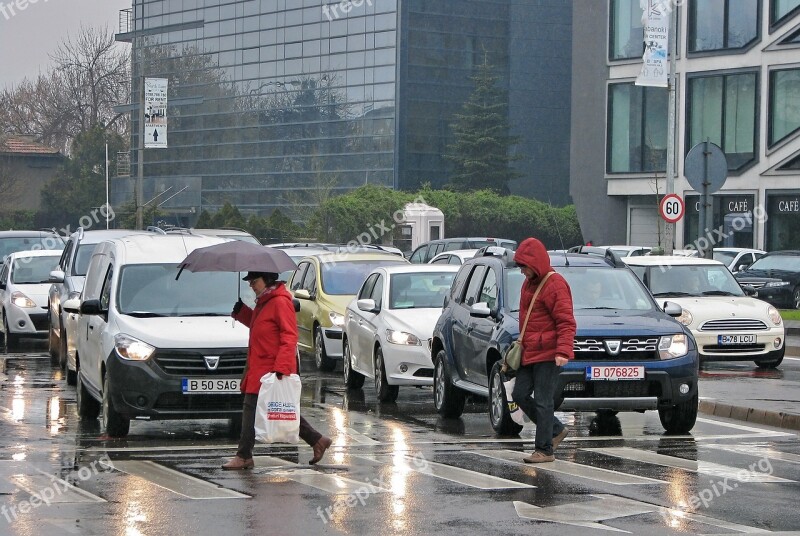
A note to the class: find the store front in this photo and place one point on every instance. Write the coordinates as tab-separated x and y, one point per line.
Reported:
732	221
783	223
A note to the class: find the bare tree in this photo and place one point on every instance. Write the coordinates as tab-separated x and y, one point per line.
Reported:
91	74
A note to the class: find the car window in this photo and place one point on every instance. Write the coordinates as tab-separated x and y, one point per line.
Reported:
32	269
344	278
489	289
693	280
105	294
62	262
458	283
474	285
438	248
789	263
310	279
297	278
419	254
453	245
95	276
366	290
82	258
377	291
725	257
423	290
13	244
604	288
4	273
514	281
441	260
455	259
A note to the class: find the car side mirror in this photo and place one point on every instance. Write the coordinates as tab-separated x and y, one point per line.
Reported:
750	290
296	304
480	310
673	309
302	294
56	276
367	305
91	307
72	305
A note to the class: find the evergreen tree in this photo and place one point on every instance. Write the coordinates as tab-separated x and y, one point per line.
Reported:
481	152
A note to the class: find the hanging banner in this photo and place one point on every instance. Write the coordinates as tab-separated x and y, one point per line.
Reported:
655	20
155	113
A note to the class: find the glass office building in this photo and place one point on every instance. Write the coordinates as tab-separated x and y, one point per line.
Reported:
280	103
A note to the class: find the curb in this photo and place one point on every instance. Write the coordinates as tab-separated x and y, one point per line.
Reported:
778	419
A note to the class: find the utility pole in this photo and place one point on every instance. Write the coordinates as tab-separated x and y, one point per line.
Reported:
672	117
140	157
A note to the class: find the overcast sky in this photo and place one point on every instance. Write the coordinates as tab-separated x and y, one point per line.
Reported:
28	35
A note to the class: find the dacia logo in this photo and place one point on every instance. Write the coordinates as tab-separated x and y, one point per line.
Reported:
613	347
212	362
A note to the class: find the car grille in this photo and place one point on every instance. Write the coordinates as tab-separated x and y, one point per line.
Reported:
739	349
424	373
729	324
632	349
199	402
618	389
41	321
192	362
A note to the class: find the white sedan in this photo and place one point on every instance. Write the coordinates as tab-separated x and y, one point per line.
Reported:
388	327
456	257
727	324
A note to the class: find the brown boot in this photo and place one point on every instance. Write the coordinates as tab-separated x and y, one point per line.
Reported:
539	457
238	463
319	449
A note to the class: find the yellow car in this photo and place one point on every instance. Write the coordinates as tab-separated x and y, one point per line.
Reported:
324	284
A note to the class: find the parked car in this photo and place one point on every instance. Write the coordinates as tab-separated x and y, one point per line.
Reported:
23	293
388	327
429	250
456	257
299	251
629	251
630	355
737	259
727	324
325	284
230	233
67	282
152	347
13	241
776	277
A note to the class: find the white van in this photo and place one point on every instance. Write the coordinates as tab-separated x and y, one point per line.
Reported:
151	346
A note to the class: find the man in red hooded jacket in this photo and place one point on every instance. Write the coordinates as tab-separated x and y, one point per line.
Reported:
546	345
272	348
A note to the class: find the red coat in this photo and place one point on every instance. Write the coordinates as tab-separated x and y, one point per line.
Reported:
551	328
273	337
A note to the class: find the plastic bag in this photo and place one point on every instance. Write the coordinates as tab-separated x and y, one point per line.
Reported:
278	409
517	415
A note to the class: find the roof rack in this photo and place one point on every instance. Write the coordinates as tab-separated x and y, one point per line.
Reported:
612	258
503	253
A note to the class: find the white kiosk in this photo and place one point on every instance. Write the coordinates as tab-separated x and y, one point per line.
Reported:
421	223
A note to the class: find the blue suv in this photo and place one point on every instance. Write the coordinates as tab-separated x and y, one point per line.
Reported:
630	355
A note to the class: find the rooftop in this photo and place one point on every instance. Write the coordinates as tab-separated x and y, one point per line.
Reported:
25	145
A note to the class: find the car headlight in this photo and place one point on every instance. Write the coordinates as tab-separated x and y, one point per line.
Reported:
685	318
21	300
401	337
773	284
672	346
774	315
337	319
132	349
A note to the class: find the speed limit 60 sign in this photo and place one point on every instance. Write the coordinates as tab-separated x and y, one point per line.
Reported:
671	208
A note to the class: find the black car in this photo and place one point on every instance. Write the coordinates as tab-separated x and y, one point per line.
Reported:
630	355
776	278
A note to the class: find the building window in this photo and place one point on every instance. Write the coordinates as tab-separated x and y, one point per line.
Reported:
723	109
783	223
626	35
784	104
782	9
723	24
637	129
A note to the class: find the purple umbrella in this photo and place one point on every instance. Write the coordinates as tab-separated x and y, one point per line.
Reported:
237	256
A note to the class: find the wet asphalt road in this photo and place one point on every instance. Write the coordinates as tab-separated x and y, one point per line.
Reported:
393	469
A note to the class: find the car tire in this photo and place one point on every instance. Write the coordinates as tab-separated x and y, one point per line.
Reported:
499	416
679	419
62	350
448	399
796	297
771	363
386	393
72	377
352	379
88	407
115	424
323	362
12	341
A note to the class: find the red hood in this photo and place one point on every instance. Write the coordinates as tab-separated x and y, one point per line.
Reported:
278	291
533	254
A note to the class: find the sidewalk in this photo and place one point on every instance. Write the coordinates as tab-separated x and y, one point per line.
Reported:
769	397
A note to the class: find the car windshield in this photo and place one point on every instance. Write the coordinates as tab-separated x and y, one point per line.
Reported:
343	278
692	280
419	291
82	258
148	290
12	245
725	257
789	263
33	269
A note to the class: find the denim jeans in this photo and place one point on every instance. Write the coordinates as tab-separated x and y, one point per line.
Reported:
539	379
248	438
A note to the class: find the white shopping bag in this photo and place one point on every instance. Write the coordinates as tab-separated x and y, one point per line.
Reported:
278	409
517	415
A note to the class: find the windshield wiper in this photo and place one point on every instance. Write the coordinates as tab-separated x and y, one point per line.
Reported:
145	314
592	308
204	314
718	293
673	293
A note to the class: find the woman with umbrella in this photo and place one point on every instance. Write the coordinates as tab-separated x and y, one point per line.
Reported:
272	348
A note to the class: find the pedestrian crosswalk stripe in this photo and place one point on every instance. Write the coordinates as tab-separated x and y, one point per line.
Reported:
570	468
759	451
175	481
329	483
55	490
451	473
706	468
